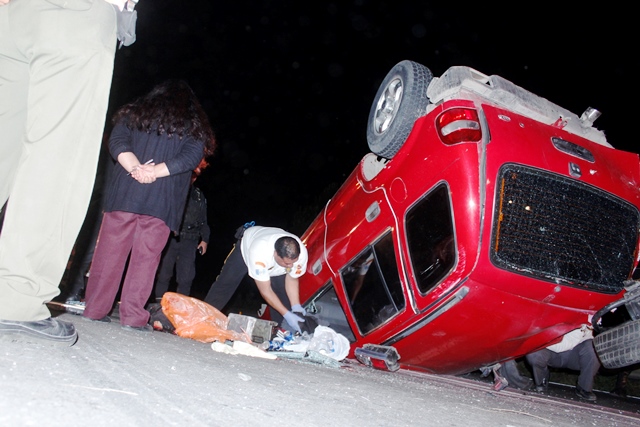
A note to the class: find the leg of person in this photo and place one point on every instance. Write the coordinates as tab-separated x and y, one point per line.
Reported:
227	282
186	266
539	362
277	284
114	244
573	359
69	74
589	364
14	89
85	263
514	378
150	238
620	389
93	220
165	270
80	261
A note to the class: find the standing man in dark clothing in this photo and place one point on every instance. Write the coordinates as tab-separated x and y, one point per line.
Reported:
182	247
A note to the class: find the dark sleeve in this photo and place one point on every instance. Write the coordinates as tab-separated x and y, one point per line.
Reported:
205	231
187	158
120	140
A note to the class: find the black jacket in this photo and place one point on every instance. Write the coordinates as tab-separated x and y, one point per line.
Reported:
194	224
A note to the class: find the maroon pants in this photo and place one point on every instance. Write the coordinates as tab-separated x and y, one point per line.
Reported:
122	233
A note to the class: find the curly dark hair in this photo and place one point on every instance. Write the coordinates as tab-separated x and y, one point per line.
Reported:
172	108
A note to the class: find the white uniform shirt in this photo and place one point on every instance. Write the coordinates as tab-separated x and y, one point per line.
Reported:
572	339
258	249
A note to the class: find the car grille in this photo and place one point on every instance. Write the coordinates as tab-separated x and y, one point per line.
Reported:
561	230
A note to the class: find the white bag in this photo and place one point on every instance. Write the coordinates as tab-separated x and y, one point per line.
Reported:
329	343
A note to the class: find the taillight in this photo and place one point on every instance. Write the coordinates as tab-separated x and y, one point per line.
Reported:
459	125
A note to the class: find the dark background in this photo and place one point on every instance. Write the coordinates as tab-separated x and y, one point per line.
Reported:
288	85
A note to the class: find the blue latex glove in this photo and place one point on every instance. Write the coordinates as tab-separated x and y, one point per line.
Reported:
299	309
293	320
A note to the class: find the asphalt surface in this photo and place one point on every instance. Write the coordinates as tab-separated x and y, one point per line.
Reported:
114	377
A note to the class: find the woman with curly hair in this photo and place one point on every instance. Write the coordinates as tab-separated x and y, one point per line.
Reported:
157	140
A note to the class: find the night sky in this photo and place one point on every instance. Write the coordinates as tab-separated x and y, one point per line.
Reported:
288	85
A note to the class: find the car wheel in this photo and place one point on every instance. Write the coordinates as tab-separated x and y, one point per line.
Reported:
619	346
400	101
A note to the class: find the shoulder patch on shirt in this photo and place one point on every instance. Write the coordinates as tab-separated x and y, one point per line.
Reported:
260	269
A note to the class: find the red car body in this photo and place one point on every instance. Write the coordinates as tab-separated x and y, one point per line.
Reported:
500	223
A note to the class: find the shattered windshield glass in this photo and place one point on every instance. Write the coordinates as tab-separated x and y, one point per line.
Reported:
562	230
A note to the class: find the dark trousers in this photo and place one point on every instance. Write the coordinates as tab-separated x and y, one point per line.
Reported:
122	233
180	253
581	358
230	277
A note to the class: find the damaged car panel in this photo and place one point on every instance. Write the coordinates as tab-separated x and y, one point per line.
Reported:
486	223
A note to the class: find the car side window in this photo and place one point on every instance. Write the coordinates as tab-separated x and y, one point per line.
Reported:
326	309
430	238
373	285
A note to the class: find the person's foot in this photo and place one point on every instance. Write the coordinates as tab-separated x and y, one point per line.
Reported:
586	395
51	329
544	387
145	328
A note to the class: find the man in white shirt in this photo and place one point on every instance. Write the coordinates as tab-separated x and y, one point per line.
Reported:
275	260
56	65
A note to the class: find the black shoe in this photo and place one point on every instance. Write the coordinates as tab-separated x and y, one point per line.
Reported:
50	329
145	328
586	395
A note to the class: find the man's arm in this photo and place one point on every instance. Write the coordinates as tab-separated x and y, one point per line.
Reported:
270	297
3	2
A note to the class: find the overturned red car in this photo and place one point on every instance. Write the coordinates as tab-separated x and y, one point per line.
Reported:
485	223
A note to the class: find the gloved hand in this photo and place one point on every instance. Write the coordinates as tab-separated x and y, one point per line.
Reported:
299	309
293	320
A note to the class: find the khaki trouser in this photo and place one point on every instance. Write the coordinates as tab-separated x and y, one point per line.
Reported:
56	65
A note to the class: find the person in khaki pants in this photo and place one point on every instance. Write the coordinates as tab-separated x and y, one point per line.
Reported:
56	65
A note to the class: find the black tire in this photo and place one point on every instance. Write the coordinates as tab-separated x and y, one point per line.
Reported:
400	101
619	346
